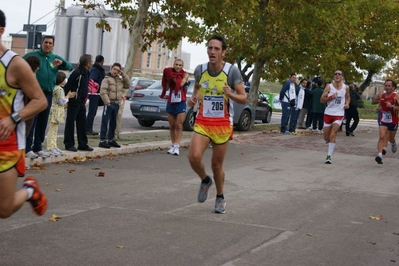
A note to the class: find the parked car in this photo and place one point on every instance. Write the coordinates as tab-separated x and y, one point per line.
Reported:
137	83
147	107
263	108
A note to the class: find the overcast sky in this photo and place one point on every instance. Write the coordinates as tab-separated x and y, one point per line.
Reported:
43	12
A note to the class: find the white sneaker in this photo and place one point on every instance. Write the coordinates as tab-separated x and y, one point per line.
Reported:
394	148
27	166
171	150
176	151
61	152
31	155
44	154
54	152
321	132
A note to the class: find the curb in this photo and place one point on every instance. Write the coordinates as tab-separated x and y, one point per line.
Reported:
100	152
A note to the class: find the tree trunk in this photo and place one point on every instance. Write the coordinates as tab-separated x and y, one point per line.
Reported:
135	37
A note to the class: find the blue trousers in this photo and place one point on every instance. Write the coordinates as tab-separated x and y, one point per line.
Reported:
288	114
109	117
38	131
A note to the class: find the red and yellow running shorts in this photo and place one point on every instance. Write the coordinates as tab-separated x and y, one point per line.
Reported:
10	159
217	134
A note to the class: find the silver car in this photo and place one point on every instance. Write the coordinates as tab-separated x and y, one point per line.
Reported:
137	83
148	107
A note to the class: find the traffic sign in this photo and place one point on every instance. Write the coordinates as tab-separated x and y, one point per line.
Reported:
29	27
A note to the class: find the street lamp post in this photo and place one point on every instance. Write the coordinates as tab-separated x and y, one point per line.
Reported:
27	33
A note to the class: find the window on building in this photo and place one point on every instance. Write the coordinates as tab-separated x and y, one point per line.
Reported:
148	59
159	61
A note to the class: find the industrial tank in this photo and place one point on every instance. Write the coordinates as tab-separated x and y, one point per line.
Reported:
77	38
111	43
73	11
62	33
93	37
124	39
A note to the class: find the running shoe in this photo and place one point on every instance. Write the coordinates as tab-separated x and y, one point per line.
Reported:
203	191
176	151
171	150
38	199
220	205
394	147
44	154
328	159
31	155
378	159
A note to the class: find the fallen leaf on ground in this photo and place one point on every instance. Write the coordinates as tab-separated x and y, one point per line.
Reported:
100	174
57	190
55	218
120	247
309	234
47	184
378	217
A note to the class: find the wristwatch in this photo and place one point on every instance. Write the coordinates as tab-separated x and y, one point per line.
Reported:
16	117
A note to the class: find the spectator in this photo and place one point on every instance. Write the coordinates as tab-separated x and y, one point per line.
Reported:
97	74
318	108
76	112
49	65
308	104
301	99
351	112
57	113
287	99
113	89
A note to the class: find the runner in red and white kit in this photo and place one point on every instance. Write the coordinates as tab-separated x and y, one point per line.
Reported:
388	117
336	95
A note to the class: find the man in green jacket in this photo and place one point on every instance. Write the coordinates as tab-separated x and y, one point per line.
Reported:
49	65
318	108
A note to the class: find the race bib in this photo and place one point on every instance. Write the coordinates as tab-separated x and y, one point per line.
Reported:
338	100
175	98
386	117
213	106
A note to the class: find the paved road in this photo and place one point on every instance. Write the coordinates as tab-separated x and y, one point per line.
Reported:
284	207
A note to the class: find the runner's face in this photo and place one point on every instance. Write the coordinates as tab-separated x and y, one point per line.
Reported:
215	52
388	86
178	66
338	76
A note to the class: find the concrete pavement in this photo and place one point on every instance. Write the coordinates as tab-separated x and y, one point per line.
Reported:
284	207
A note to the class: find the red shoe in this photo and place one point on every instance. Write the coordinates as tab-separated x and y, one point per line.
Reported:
38	199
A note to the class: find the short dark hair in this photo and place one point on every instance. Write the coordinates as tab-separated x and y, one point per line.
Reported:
61	76
49	37
85	59
33	61
219	38
99	58
292	74
2	19
393	82
116	64
320	82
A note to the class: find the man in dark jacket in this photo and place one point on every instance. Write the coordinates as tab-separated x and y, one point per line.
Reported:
351	112
97	74
78	81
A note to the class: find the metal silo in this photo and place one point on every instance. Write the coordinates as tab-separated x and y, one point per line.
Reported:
73	11
111	41
62	33
77	38
124	40
93	37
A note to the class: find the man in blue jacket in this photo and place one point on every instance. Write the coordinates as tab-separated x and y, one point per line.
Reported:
97	74
49	65
287	100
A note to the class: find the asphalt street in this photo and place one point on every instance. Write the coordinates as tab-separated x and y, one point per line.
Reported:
284	207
